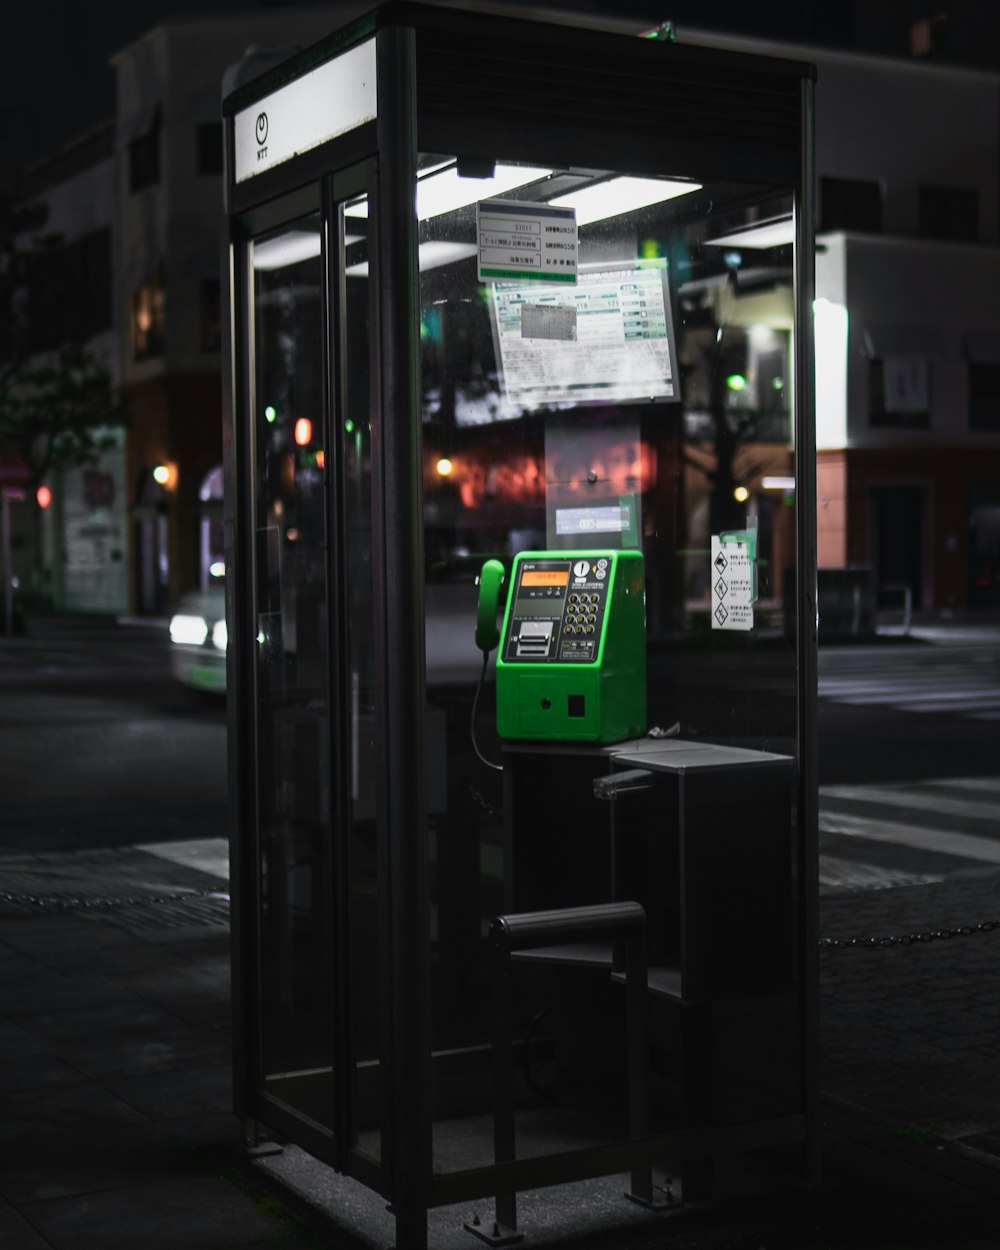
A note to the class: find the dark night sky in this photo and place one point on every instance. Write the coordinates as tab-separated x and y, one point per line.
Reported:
55	80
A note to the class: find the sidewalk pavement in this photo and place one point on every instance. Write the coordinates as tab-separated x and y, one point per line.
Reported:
116	1131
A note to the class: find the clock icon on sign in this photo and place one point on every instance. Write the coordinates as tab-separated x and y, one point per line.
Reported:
261	127
581	568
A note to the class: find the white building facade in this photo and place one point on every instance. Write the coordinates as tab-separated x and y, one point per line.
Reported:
907	324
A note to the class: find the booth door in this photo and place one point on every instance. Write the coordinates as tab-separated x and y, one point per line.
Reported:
310	643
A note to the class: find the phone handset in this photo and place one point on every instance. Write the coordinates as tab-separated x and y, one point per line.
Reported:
491	578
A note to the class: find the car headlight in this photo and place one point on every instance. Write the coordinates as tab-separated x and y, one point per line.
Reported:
188	630
219	635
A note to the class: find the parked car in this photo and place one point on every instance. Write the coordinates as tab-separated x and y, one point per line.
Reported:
198	640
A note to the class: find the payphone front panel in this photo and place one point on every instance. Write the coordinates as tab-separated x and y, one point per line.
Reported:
572	658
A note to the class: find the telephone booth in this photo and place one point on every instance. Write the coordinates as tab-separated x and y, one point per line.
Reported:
520	521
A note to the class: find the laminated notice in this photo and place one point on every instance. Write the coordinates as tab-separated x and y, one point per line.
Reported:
535	241
733	583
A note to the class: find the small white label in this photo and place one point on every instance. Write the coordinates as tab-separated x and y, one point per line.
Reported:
535	241
732	585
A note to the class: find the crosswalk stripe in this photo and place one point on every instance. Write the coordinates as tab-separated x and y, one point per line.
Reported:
846	874
974	707
914	798
905	694
942	841
877	682
920	685
989	785
209	855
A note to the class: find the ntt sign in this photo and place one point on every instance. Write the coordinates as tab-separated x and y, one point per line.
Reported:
330	100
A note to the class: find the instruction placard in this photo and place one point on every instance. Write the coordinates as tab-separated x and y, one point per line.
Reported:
534	241
608	338
732	584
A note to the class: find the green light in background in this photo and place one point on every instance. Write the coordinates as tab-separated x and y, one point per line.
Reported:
649	249
778	383
349	426
270	414
736	382
430	327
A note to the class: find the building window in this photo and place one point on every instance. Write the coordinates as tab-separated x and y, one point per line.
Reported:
148	307
929	35
984	396
144	158
899	392
209	148
211	320
70	290
949	213
850	204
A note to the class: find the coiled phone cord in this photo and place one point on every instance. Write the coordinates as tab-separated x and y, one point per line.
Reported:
475	706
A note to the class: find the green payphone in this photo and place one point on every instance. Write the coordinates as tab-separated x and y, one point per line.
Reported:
571	664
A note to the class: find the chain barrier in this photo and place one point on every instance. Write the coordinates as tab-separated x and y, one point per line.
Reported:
57	903
907	939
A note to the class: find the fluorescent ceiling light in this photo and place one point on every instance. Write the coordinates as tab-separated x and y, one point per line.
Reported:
445	190
287	249
434	255
291	249
767	234
778	483
621	195
431	256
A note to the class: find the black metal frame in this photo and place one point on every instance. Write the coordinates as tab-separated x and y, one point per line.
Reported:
622	923
806	628
424	105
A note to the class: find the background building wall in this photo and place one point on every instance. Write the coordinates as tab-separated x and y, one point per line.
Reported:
84	531
170	248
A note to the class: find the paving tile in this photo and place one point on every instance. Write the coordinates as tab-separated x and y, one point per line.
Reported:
185	1214
127	1016
39	1114
14	1040
115	961
17	1234
70	1163
216	1131
16	967
36	1069
202	949
101	1057
59	993
176	1094
199	995
44	936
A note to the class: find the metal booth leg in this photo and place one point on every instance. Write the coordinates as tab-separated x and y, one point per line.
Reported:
698	1099
625	921
502	1230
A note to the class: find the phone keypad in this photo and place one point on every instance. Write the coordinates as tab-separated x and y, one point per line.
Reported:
581	613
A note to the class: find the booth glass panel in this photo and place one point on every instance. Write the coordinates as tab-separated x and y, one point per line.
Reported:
646	408
355	435
293	727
